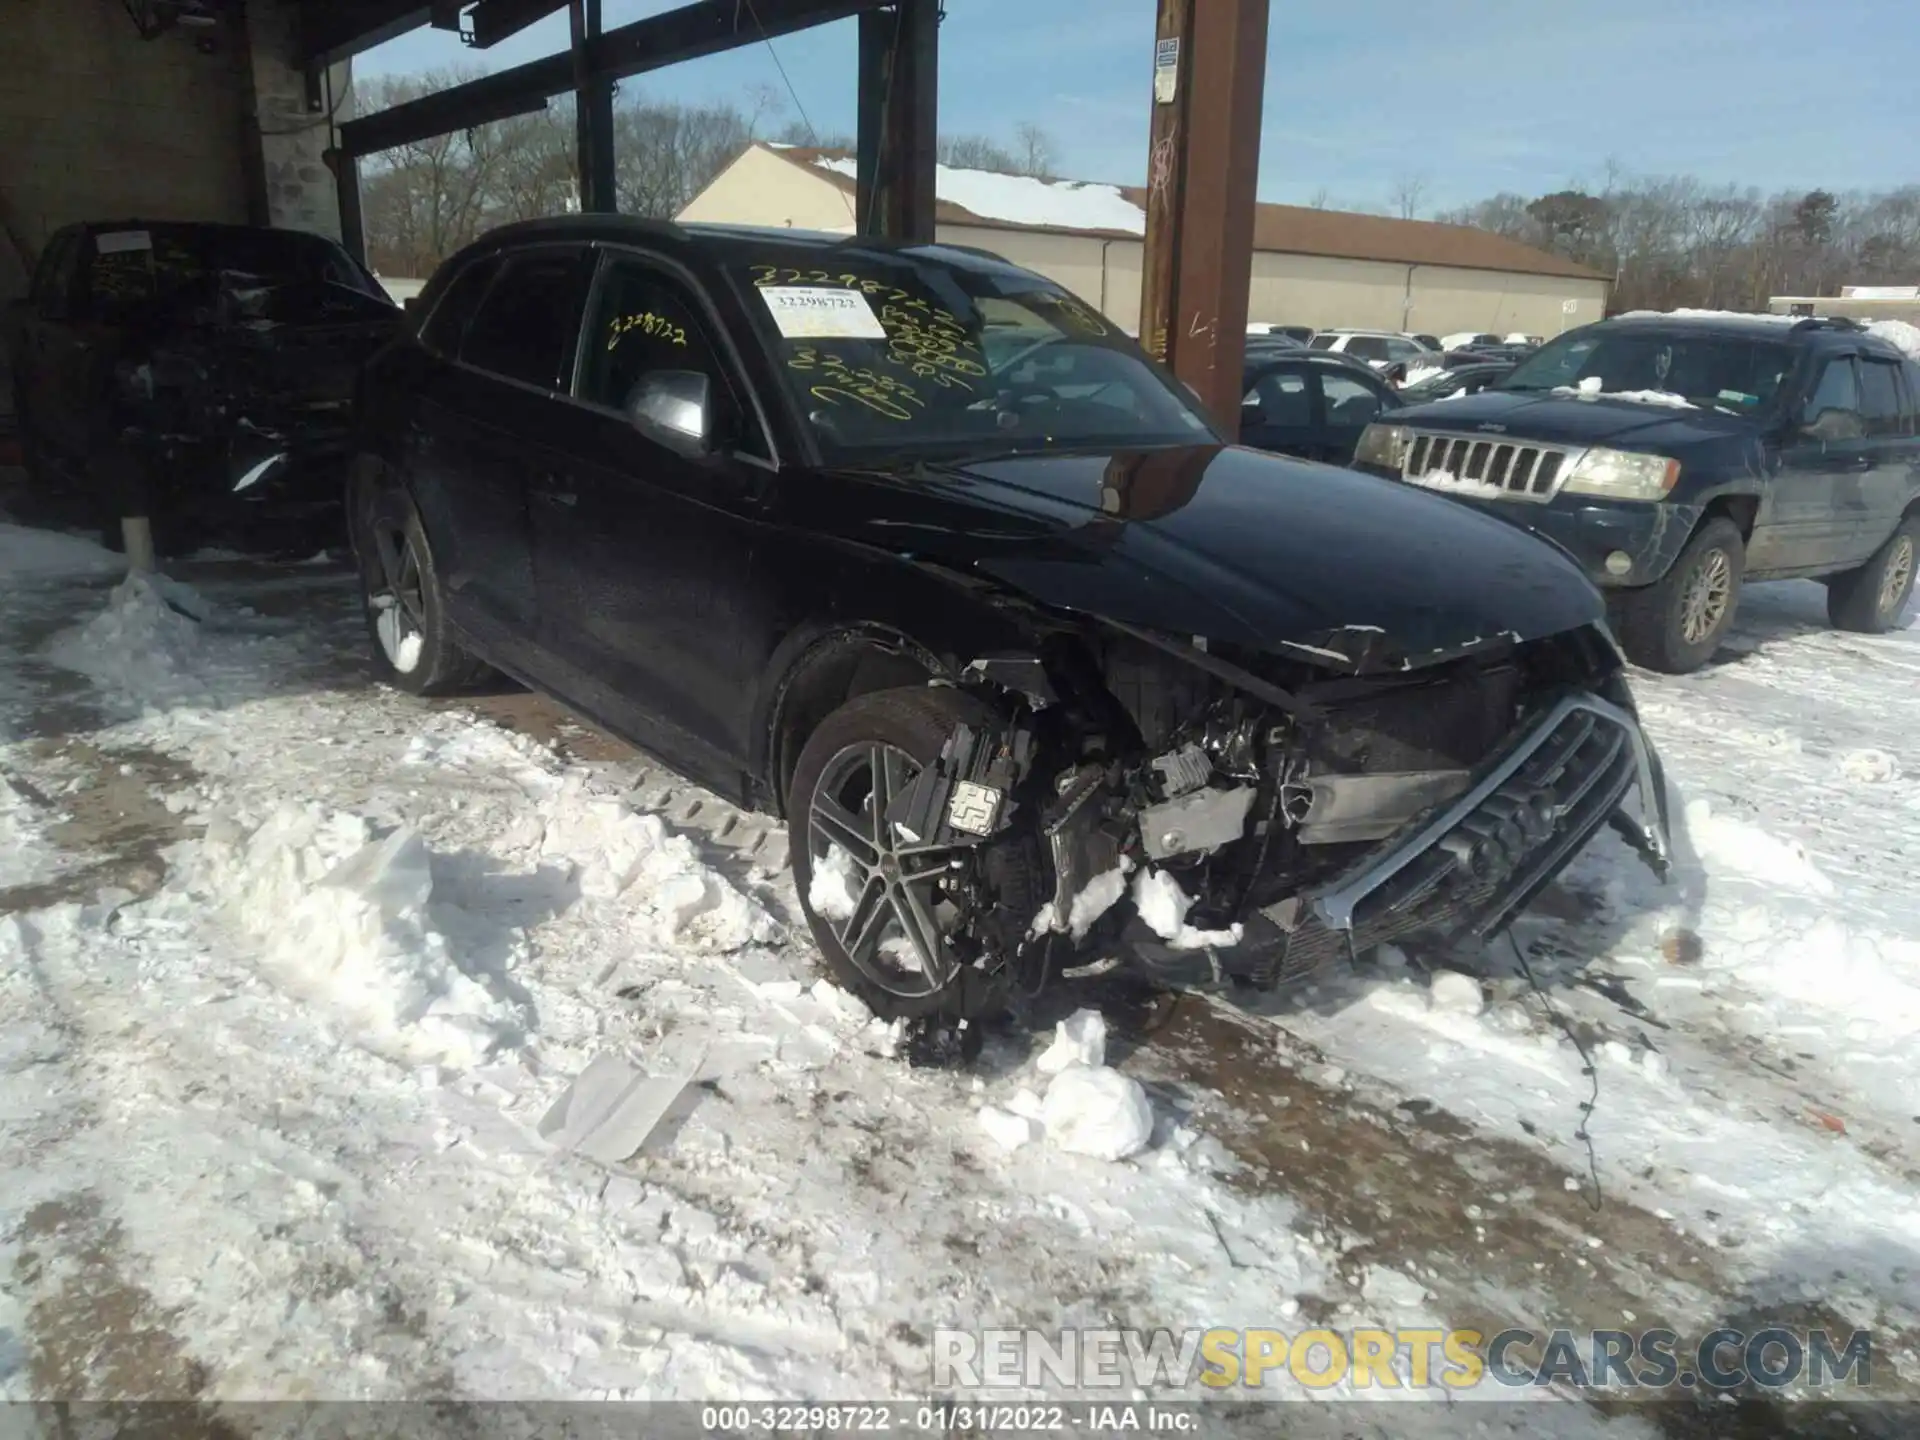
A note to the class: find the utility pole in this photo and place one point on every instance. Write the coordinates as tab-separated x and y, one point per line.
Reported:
1203	161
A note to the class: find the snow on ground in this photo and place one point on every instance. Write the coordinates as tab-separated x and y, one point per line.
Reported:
299	1076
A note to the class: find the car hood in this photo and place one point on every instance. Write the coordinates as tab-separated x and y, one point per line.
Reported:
1236	546
1578	421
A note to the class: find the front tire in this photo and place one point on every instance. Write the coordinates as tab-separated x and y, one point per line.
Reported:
413	646
886	934
1870	600
1675	624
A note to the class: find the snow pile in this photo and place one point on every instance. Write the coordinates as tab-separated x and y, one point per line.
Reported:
1828	965
1589	389
1730	847
1900	334
25	853
620	855
147	644
34	555
1025	200
1089	1108
341	916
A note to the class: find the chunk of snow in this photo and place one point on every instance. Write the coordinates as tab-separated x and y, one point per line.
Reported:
1455	993
1163	905
1870	767
833	889
1590	389
1096	897
1421	373
1080	1039
1899	333
1007	1129
342	920
611	1110
1453	484
1097	1111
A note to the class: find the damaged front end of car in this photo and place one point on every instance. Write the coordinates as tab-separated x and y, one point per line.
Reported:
1210	817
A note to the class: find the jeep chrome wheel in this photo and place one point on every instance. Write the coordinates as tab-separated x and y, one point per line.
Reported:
1899	575
1703	604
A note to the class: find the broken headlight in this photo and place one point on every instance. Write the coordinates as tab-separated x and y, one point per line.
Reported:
1383	445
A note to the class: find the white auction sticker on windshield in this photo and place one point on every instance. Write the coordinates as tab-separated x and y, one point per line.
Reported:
819	312
118	242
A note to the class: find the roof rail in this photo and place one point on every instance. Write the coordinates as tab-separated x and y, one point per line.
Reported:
1827	322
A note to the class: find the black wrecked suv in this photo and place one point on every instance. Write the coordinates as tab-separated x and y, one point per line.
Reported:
198	374
916	549
1676	456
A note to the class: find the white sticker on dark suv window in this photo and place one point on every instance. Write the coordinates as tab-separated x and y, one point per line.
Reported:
118	242
819	312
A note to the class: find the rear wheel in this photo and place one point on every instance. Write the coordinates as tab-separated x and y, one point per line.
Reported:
413	647
887	910
1871	598
1676	624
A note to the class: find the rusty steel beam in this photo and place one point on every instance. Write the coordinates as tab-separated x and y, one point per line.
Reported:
491	21
1203	161
899	73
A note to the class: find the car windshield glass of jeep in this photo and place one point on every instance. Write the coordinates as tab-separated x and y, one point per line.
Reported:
909	354
1724	372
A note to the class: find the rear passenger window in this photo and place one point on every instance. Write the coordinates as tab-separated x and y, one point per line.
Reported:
1833	410
1367	347
1281	396
527	325
446	327
1880	405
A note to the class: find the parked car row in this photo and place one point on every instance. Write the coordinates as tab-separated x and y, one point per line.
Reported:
917	550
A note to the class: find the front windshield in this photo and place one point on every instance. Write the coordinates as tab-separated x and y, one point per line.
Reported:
1711	371
906	352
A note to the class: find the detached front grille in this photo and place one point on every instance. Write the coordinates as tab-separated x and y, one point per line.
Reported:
1472	865
1521	471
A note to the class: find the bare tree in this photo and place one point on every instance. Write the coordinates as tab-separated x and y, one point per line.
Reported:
1033	150
1318	200
1407	193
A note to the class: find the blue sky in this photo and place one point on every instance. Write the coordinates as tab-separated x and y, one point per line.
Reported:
1469	96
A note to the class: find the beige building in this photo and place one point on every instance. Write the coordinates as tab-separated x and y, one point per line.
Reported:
1310	267
1856	302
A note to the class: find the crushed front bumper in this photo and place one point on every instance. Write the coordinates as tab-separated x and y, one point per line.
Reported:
1462	872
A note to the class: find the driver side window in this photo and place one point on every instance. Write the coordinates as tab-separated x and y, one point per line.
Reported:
643	321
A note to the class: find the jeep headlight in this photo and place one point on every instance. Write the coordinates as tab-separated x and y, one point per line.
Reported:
1622	475
1383	445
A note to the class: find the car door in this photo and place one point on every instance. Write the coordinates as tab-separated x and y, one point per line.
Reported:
485	424
642	549
1347	404
1812	515
1889	452
1276	413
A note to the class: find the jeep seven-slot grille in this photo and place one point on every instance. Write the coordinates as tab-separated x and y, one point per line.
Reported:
1524	472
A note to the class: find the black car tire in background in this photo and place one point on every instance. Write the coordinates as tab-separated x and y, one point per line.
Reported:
1870	599
1675	624
914	724
413	648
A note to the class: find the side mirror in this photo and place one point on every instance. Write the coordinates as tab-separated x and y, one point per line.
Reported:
673	407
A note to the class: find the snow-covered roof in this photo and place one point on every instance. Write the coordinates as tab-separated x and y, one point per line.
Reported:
1024	199
982	197
1901	335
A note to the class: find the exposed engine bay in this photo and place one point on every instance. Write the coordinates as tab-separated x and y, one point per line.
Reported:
1263	818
